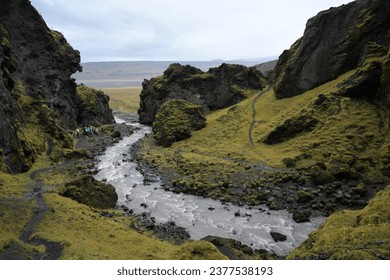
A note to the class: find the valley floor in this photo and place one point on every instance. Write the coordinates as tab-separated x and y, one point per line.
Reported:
338	163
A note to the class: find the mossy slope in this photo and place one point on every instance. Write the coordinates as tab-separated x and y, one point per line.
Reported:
326	147
83	231
361	234
86	234
347	134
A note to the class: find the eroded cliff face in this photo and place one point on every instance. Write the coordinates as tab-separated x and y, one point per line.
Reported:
39	102
218	88
335	42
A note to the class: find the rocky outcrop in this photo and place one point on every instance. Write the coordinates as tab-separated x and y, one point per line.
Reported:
93	107
218	88
38	97
176	120
290	129
335	41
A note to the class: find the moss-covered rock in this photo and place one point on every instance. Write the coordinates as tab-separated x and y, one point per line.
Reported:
235	250
176	120
93	107
91	192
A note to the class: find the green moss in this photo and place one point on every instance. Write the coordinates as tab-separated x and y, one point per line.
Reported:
82	230
86	234
88	98
176	120
88	191
199	250
345	144
39	129
362	234
4	39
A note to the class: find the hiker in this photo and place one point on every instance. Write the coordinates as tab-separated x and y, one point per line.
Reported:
77	132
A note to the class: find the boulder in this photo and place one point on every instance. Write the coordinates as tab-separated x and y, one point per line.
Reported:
91	192
218	88
301	216
176	120
278	237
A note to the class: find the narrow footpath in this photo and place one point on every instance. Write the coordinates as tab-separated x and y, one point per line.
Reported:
254	114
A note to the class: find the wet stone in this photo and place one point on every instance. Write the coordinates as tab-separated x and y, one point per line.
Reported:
278	237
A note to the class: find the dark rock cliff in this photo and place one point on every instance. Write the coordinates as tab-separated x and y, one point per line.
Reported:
38	98
218	88
335	41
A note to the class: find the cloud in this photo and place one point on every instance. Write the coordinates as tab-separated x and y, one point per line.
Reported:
179	30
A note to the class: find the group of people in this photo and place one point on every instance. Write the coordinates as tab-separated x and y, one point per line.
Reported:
88	130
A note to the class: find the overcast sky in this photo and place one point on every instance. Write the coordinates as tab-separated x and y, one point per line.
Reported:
106	30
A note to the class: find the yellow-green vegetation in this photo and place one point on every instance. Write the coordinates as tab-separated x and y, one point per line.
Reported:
87	95
362	234
81	230
17	205
88	235
14	213
348	130
175	121
39	124
124	99
331	138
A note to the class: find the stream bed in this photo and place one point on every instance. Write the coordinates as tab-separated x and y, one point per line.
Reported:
200	216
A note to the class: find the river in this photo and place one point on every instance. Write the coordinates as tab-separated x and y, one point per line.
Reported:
199	216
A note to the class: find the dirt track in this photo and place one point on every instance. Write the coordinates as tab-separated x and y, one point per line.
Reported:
254	114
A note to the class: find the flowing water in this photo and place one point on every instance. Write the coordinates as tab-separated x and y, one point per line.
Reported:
199	216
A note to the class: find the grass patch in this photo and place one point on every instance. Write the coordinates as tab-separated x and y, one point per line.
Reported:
14	212
124	99
88	235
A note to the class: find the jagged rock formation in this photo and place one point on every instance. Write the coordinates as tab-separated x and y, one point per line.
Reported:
218	88
335	41
176	120
38	98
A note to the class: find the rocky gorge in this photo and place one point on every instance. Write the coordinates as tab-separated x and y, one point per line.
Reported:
316	141
309	139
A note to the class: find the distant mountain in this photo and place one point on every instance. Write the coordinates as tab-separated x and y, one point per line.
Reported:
132	73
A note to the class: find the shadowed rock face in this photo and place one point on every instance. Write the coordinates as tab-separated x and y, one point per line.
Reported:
38	99
334	42
218	88
40	58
